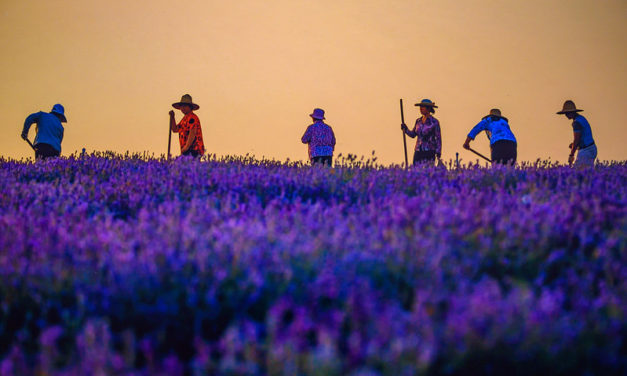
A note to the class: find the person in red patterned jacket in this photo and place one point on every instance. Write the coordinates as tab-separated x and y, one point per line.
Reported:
189	130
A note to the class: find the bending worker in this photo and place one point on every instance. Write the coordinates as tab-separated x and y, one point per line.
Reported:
582	134
320	139
427	131
49	131
190	133
502	141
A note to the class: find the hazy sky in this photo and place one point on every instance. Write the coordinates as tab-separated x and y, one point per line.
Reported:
258	68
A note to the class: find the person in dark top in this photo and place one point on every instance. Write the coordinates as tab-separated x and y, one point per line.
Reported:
49	131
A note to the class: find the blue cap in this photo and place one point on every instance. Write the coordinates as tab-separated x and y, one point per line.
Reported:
58	109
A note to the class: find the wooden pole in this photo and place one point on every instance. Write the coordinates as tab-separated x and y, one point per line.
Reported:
481	155
404	136
169	140
30	143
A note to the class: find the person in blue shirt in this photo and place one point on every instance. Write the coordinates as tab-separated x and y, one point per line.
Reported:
49	131
502	141
582	136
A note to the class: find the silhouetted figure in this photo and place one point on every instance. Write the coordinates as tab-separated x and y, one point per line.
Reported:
49	131
320	139
427	131
582	136
502	140
189	130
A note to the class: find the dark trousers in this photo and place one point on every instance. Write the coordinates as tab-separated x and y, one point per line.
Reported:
43	151
427	156
504	152
191	153
323	160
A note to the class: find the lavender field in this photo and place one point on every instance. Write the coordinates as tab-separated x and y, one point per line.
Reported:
130	266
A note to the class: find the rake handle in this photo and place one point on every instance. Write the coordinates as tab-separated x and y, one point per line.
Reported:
30	143
404	137
479	154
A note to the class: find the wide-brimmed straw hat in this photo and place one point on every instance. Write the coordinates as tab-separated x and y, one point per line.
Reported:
569	106
318	114
497	113
186	100
426	103
59	110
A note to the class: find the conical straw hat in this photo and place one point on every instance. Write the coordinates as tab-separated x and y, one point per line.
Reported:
186	99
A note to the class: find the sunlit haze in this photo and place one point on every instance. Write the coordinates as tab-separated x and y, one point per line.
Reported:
258	68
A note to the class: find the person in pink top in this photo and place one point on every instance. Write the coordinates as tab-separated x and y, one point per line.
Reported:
320	139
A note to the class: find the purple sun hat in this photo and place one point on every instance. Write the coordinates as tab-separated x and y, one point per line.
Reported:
318	114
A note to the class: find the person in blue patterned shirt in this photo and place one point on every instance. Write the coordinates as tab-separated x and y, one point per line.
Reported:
502	140
320	139
427	131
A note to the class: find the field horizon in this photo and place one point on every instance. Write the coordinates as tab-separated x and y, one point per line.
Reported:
466	159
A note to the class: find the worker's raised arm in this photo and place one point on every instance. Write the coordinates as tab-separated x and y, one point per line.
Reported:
173	126
32	118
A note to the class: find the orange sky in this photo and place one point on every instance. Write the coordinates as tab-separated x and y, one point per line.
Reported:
258	68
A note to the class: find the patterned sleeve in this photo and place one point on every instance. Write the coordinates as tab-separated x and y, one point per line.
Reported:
307	136
195	122
481	126
413	132
438	139
178	126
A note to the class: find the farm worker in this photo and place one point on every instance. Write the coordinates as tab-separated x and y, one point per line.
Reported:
320	139
582	134
189	130
502	141
49	131
427	131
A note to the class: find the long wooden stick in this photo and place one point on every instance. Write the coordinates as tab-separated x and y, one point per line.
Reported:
404	137
169	139
30	143
481	155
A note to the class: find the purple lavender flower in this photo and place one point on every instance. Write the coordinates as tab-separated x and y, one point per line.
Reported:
128	265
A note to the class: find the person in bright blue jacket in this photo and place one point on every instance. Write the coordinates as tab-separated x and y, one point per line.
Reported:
49	131
502	140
